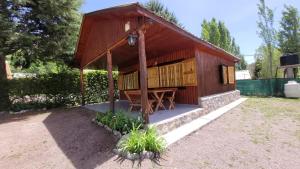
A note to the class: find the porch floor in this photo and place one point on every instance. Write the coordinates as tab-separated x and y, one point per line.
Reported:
157	117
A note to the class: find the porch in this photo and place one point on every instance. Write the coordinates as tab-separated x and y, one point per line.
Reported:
158	117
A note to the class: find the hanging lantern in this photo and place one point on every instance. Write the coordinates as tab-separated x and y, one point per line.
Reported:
132	38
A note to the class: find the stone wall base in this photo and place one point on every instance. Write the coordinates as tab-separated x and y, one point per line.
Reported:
208	103
213	102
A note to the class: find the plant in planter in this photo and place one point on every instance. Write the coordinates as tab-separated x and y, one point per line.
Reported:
118	122
141	144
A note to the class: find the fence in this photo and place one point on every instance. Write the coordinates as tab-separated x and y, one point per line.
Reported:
263	87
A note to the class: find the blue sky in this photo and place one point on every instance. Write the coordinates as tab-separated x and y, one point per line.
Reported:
240	16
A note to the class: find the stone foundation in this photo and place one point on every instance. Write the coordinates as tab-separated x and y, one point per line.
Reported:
213	102
207	104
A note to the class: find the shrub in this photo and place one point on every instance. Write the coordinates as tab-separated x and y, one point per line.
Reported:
53	90
139	141
119	121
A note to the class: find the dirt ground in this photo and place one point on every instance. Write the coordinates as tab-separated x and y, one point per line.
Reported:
260	133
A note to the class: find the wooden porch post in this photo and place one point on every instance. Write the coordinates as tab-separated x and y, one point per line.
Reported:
110	81
143	75
82	87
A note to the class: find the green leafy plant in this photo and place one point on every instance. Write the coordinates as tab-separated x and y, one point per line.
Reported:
139	141
134	143
119	121
53	90
153	142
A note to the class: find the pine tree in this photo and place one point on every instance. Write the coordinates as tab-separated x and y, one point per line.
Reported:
159	9
46	30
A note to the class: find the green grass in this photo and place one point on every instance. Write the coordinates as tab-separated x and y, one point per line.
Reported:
271	111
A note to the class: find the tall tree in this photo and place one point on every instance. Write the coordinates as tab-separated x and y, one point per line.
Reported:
214	33
7	29
267	31
46	30
289	34
218	34
205	30
224	36
159	9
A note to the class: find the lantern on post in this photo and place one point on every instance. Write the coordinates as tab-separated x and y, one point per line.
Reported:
132	38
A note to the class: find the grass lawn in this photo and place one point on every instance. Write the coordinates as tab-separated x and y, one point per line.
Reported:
259	133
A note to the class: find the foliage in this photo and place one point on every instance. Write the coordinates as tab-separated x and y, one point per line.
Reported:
139	141
159	9
262	63
53	90
153	142
267	32
44	30
135	142
119	121
289	34
218	34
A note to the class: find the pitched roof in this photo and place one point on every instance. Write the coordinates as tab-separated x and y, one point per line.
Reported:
138	10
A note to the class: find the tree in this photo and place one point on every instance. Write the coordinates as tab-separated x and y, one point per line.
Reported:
218	34
205	30
214	33
289	34
46	30
224	36
159	9
7	28
267	31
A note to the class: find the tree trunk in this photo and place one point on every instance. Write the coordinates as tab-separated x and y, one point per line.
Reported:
4	97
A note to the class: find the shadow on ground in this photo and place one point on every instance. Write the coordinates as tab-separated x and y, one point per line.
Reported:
85	144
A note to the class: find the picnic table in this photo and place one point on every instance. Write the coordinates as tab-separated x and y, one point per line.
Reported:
157	97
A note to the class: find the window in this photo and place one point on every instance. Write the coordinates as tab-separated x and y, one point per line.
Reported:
231	74
224	73
153	77
189	72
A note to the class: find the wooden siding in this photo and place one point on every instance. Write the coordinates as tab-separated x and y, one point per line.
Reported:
184	95
102	34
209	74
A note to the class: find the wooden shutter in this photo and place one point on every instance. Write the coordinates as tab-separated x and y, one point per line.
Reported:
121	82
163	76
131	81
153	77
224	70
231	75
189	72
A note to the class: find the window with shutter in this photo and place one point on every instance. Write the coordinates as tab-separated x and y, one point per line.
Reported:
189	72
153	77
231	75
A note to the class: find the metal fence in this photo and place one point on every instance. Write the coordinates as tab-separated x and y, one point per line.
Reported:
263	87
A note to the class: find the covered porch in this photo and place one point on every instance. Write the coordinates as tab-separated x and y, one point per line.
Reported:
160	116
139	44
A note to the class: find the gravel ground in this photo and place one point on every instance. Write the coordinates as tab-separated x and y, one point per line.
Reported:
260	133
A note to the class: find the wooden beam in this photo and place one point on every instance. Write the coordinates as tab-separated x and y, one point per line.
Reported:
110	81
82	87
200	75
143	75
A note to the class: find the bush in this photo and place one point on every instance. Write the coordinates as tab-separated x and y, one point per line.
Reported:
53	90
139	141
119	121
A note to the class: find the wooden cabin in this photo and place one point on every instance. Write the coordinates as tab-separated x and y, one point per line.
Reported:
150	53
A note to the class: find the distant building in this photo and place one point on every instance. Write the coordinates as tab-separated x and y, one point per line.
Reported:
242	74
